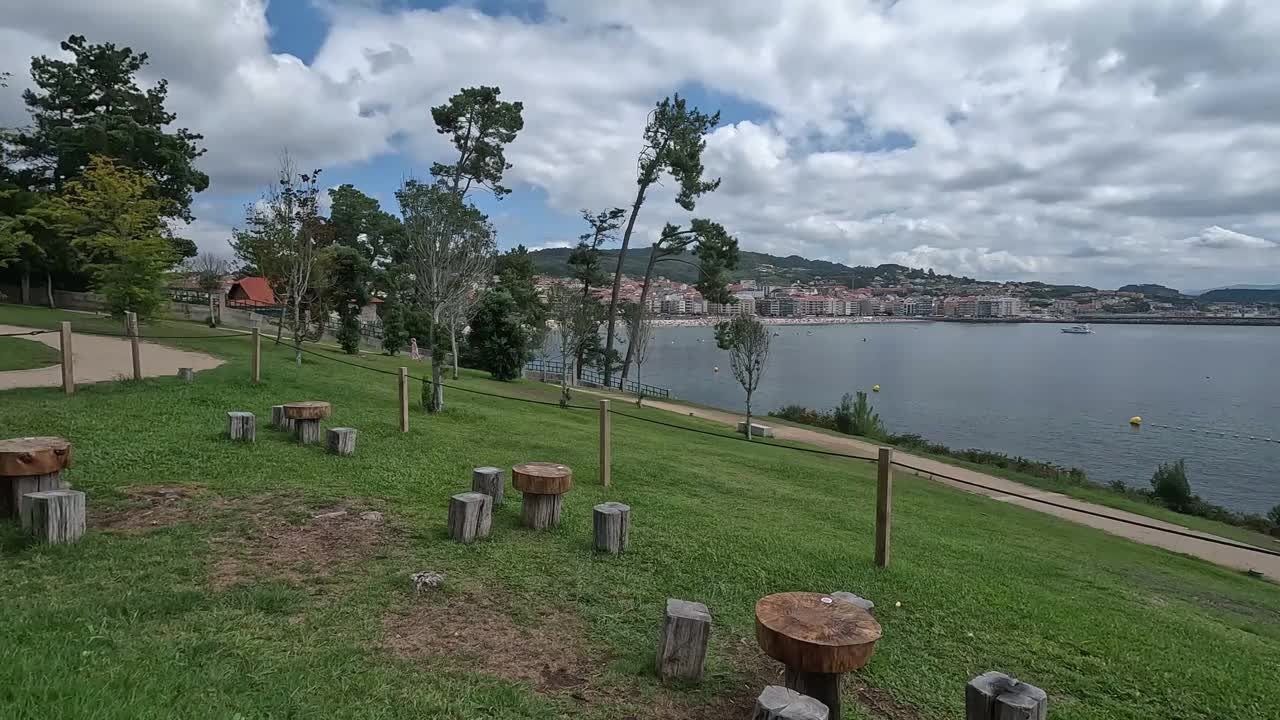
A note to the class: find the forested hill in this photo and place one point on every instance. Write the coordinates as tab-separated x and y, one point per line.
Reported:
1239	295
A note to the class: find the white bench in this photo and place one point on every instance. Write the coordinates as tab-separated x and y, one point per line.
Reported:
757	429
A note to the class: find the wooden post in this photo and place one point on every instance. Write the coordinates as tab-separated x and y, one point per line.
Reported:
54	516
470	515
682	645
884	506
404	399
187	374
342	441
255	365
996	696
68	361
606	450
488	480
611	527
779	703
240	426
131	327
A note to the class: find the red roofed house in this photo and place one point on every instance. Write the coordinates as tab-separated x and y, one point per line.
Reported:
254	291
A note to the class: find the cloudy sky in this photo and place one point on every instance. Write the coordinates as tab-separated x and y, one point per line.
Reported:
1091	141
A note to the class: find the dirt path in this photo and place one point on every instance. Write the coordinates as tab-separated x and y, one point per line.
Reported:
1237	558
99	359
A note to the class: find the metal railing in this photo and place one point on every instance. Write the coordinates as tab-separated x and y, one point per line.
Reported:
594	378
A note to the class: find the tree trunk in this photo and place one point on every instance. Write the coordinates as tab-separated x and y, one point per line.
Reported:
617	284
453	345
433	393
299	327
48	289
644	296
639	389
213	319
25	285
564	380
748	416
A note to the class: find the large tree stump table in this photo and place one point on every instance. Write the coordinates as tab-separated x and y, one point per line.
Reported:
306	416
818	638
544	485
30	464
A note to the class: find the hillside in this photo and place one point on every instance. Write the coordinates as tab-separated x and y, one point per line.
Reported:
1152	290
1234	295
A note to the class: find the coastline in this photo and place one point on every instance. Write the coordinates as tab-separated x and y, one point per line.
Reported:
712	320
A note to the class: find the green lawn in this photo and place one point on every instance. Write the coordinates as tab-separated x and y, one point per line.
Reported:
18	353
225	597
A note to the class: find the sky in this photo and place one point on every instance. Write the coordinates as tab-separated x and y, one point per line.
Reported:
1097	142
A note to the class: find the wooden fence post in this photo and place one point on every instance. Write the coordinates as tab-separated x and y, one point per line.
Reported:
884	506
68	361
606	441
131	327
255	364
404	399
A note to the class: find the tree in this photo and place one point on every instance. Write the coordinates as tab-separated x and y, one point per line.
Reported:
639	328
394	334
1169	483
577	319
584	261
453	246
1274	515
209	270
857	417
673	144
519	276
358	221
348	291
116	223
92	105
480	127
747	340
499	336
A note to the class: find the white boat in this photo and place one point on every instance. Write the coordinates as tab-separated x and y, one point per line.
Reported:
1078	330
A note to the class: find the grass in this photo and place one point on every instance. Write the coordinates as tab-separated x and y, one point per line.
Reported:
128	623
18	353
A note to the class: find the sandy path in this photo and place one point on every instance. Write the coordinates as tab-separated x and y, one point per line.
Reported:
99	359
1231	557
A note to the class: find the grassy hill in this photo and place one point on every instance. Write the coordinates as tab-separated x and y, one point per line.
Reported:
1237	295
222	581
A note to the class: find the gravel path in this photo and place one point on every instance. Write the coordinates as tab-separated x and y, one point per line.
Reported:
99	359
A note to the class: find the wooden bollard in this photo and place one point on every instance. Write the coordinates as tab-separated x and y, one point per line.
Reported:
240	426
341	441
131	327
255	362
884	505
779	703
68	360
606	444
186	374
404	399
470	516
611	527
30	464
682	645
489	480
996	696
55	517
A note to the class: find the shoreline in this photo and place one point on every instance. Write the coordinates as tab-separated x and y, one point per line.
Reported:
712	320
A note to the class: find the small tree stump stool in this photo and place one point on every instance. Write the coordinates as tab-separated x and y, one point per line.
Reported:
489	481
470	516
779	703
682	646
55	517
240	426
544	485
30	464
818	638
306	417
341	441
279	421
996	696
611	527
186	374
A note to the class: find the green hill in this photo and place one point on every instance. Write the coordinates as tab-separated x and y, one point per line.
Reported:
1152	290
1234	295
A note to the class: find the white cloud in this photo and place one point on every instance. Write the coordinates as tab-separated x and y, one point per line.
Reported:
1217	238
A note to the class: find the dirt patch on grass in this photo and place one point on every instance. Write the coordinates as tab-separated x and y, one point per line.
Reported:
150	508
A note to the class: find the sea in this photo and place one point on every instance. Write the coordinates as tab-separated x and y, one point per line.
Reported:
1208	395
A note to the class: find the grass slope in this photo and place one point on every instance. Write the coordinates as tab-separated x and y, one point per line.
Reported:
131	623
18	353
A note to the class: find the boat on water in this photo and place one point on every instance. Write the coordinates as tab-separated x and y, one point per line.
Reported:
1078	330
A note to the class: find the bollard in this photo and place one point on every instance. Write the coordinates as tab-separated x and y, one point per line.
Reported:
255	365
131	328
884	506
404	399
606	451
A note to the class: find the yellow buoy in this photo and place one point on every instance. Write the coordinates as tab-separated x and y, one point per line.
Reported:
875	388
1135	421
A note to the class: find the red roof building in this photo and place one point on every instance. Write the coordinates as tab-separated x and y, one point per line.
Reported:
254	290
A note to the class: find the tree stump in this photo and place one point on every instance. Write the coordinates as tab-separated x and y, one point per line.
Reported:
31	464
306	417
186	374
996	696
342	441
470	516
818	638
682	646
611	527
55	517
488	480
779	703
858	600
544	485
279	421
240	426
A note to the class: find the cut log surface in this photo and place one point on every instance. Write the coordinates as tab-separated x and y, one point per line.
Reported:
542	478
611	527
813	632
470	516
34	455
489	480
12	490
682	645
341	441
307	410
540	512
54	516
240	426
996	696
779	703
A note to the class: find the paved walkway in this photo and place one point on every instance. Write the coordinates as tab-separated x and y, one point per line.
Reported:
1237	558
100	359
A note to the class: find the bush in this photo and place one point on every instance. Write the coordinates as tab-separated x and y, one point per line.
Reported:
499	339
1274	516
805	416
1170	485
394	336
859	417
349	333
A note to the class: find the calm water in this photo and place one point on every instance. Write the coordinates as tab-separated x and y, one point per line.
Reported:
1030	390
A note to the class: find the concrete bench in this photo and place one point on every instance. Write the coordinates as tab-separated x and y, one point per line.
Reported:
757	429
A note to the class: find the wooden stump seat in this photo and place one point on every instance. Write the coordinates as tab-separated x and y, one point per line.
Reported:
543	485
30	464
306	416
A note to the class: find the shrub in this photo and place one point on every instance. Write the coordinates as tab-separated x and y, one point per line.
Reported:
499	340
349	333
805	416
1274	516
1170	485
859	417
394	336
